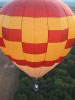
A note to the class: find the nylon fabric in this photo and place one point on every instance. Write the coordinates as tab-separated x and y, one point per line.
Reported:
36	35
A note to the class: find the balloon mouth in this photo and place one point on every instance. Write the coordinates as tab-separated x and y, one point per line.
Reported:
36	72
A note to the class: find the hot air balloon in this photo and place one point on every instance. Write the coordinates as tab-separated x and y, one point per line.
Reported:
36	35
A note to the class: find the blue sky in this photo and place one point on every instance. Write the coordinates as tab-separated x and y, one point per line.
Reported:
4	0
69	0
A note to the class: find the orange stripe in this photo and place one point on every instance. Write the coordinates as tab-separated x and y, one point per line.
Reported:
36	64
12	34
57	35
2	42
70	43
26	63
50	63
32	9
60	59
34	48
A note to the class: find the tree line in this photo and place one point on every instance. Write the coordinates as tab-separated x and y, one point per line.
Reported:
58	84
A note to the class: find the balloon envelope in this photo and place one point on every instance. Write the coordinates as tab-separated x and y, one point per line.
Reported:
36	35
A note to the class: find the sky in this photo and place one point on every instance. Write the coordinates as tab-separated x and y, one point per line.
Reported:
69	0
3	0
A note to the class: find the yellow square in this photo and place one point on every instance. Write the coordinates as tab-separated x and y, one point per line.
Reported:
34	30
57	23
54	50
34	57
71	22
14	49
12	22
0	32
66	51
1	20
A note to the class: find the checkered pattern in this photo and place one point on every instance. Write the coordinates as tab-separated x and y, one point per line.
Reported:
36	33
